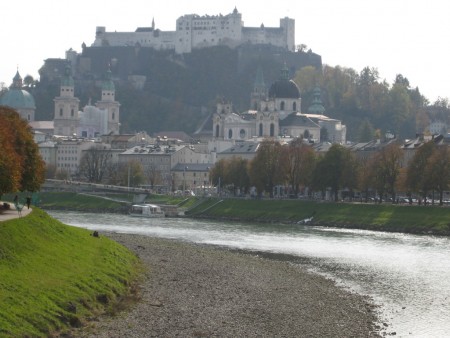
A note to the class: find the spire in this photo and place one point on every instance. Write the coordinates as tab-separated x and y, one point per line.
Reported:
17	80
316	106
153	23
284	72
67	80
108	84
259	80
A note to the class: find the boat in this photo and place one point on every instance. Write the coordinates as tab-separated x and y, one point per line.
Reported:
146	210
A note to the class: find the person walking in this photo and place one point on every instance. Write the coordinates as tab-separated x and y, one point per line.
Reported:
28	202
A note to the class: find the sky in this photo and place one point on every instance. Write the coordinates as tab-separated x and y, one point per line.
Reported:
407	37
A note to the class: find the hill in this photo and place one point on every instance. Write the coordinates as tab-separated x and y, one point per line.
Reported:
56	276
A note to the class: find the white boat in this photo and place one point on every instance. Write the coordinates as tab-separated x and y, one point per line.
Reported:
146	210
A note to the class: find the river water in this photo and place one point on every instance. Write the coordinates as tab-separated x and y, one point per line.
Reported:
407	275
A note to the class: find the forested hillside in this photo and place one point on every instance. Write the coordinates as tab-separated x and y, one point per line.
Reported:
180	91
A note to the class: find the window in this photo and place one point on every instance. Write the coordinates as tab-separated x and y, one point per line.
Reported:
230	133
242	133
72	112
272	129
217	130
294	106
282	105
260	129
60	111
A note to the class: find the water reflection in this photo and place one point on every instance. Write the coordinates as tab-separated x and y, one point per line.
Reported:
408	275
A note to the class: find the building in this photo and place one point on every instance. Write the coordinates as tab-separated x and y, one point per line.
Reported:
19	99
194	31
93	121
275	112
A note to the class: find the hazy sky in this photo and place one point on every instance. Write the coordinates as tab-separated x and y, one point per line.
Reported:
407	37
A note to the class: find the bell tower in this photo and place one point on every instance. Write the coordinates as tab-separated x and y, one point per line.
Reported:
109	104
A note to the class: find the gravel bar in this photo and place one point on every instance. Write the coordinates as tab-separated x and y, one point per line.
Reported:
192	290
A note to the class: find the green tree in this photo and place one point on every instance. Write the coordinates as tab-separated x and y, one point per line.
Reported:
387	169
237	174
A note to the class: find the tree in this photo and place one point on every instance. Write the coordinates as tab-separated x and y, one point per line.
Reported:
438	169
23	151
153	175
9	170
297	164
387	169
237	174
416	179
94	163
28	81
336	170
265	167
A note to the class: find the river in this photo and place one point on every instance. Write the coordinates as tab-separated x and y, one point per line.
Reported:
408	276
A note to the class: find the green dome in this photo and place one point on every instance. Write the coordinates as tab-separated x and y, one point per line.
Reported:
18	99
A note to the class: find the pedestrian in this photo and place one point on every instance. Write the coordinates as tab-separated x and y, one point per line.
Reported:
28	202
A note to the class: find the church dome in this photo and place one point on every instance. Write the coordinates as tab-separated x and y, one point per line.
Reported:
18	99
284	88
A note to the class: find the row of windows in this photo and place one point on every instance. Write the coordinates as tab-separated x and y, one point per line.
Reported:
61	158
67	165
242	132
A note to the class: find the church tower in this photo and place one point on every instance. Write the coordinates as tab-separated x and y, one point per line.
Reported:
259	90
66	118
109	104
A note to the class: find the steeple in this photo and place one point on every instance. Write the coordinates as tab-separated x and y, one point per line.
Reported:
284	72
316	106
17	80
259	90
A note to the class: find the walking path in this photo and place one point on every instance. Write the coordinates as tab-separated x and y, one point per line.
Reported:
12	212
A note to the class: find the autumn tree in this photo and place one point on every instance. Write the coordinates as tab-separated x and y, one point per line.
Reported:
387	169
438	170
297	164
153	175
23	152
237	174
416	180
265	166
335	170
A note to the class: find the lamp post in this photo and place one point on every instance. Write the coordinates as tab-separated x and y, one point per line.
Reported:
184	179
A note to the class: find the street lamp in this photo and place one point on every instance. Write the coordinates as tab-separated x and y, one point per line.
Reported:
184	179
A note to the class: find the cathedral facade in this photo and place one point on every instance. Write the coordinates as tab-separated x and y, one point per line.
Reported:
93	121
275	113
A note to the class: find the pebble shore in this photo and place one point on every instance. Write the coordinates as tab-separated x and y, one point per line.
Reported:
193	290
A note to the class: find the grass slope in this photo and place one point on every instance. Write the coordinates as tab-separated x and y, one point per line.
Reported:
387	217
54	276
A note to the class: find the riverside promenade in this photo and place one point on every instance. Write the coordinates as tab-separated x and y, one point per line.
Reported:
12	212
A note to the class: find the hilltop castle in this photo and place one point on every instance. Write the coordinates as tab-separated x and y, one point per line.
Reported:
194	31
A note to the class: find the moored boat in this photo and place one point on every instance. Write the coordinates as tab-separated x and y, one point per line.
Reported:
146	210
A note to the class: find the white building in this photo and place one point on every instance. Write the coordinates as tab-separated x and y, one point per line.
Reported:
93	121
194	31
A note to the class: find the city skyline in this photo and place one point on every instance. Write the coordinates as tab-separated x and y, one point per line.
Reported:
401	37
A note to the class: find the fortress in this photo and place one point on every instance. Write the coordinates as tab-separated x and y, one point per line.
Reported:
194	31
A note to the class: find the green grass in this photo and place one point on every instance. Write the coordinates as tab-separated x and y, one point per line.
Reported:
76	201
386	217
54	276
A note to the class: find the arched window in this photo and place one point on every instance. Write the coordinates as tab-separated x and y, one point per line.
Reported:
72	112
113	116
60	112
294	106
260	129
242	133
217	130
282	105
306	134
272	130
230	133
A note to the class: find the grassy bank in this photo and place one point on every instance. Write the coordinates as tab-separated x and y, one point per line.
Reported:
386	217
54	276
